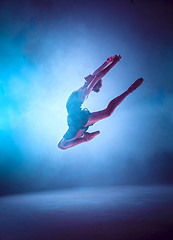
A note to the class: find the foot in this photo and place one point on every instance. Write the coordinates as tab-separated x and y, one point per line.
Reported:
89	136
135	85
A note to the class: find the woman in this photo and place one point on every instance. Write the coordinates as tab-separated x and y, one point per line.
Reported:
79	120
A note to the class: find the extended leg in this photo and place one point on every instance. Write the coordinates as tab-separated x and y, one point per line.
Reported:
97	116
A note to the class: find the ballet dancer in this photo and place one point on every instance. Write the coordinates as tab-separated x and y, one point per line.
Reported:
79	119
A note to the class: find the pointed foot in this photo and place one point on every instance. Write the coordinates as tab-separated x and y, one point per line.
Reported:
135	85
89	136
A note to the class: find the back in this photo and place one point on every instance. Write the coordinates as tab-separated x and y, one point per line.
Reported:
74	104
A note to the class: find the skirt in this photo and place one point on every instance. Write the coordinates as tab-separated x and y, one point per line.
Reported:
76	122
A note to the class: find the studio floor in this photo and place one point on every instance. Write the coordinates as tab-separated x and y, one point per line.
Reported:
116	212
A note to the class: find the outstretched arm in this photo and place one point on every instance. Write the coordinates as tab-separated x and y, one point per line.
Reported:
84	92
102	73
108	60
108	68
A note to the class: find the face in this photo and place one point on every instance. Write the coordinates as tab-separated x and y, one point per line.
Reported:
98	86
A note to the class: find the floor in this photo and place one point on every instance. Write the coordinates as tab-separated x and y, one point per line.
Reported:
116	212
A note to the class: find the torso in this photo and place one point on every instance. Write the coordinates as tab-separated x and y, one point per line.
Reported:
82	93
75	112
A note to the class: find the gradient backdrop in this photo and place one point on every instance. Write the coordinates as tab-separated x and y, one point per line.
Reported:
46	49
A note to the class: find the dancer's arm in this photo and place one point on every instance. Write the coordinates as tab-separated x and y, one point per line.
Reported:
108	68
102	74
108	60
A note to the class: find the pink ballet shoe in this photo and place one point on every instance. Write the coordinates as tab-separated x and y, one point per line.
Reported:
89	136
135	85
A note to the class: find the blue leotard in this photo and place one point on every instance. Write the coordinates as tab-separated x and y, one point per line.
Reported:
77	117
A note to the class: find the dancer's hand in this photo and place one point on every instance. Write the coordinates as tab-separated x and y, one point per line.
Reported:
117	58
110	59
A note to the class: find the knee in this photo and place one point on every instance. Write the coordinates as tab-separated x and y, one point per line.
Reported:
61	146
108	112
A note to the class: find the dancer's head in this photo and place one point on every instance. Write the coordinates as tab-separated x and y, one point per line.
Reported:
98	85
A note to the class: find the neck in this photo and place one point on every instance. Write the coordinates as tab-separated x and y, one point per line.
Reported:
85	85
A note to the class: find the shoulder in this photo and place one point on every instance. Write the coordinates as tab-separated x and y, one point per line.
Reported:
73	96
83	93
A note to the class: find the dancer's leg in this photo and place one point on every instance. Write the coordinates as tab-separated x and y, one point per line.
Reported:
97	116
65	144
